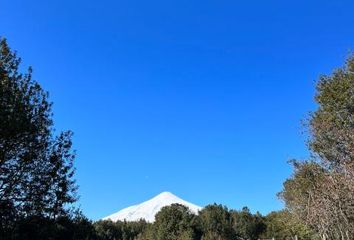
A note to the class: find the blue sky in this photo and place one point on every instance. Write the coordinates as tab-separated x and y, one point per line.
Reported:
201	98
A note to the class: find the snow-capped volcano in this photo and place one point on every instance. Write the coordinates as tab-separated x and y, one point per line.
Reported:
147	210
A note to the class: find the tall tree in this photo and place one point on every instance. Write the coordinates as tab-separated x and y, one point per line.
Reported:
321	191
332	124
36	166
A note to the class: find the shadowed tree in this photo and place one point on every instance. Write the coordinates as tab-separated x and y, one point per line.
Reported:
217	223
174	222
36	166
248	225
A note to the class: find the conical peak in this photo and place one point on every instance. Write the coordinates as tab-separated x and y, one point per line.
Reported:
166	194
148	209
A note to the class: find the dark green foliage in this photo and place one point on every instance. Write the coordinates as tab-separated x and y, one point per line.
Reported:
248	225
75	227
83	228
217	223
108	230
36	167
284	225
174	222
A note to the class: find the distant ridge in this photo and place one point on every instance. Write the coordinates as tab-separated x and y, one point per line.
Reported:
147	210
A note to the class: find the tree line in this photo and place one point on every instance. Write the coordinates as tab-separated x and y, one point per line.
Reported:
175	222
37	186
216	222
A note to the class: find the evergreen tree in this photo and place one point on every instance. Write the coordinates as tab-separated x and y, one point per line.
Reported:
248	225
107	230
217	223
36	167
174	222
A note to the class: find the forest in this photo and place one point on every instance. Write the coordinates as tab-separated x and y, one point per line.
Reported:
38	186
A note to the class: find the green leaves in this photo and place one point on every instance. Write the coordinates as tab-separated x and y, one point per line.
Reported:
321	191
174	222
248	225
217	223
36	167
332	124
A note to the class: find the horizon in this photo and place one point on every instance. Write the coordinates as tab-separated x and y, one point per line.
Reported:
201	99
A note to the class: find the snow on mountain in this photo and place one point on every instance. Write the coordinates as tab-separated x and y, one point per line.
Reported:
147	210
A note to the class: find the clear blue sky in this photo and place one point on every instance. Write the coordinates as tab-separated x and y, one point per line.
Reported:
200	98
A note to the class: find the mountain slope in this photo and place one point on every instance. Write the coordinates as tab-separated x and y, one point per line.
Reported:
147	210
